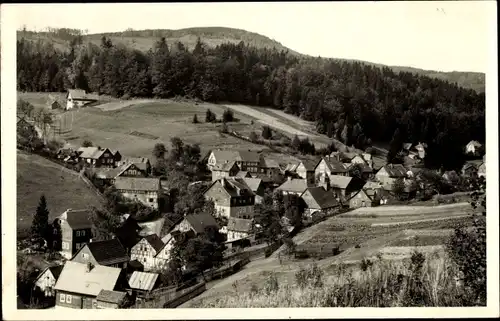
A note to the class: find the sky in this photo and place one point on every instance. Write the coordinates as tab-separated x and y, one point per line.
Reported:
434	35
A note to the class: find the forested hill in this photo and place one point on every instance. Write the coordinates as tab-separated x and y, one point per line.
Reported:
212	36
351	101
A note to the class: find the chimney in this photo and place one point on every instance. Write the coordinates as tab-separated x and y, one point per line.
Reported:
90	241
223	182
90	266
289	178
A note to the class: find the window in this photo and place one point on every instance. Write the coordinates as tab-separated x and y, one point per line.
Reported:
77	233
55	232
62	298
151	200
82	233
85	256
65	245
68	298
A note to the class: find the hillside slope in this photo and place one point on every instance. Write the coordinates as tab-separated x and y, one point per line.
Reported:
143	40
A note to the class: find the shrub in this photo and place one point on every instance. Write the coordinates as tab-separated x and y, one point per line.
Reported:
87	143
365	264
253	137
195	119
227	116
271	284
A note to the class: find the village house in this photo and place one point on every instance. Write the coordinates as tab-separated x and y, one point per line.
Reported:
146	252
365	171
74	229
352	158
246	160
146	190
339	186
389	173
414	151
106	176
142	283
317	199
329	166
79	284
98	157
269	167
305	170
196	224
107	299
26	125
141	163
128	232
79	98
257	187
294	186
239	228
232	197
108	253
377	193
360	199
54	104
474	148
47	279
225	170
68	155
471	168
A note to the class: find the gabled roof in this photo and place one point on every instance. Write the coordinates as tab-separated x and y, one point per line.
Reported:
77	219
364	167
360	191
269	163
243	174
91	152
75	278
143	280
239	225
138	183
334	165
200	221
234	185
111	173
294	185
309	165
407	146
108	252
321	198
338	181
77	93
111	296
224	167
395	170
475	143
253	183
155	241
54	270
223	156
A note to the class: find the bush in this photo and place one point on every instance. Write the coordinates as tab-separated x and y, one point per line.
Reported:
195	119
227	116
365	264
271	284
87	143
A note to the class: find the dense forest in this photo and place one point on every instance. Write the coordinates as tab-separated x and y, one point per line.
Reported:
350	101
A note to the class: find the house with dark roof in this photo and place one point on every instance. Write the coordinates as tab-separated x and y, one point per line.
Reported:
246	160
317	199
269	167
146	251
73	229
79	284
352	158
225	170
142	163
146	190
328	166
294	186
128	232
108	253
232	197
305	169
79	98
98	157
470	168
257	187
239	228
338	185
197	223
389	173
47	279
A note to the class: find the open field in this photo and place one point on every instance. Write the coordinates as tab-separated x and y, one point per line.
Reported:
62	188
357	239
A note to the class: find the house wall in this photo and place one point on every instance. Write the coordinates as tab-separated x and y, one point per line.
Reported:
383	177
46	283
358	160
482	171
144	253
252	167
106	305
217	194
85	256
146	198
163	256
133	171
69	300
360	200
219	174
211	161
235	235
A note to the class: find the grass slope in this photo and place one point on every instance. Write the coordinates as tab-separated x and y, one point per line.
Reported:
61	187
143	40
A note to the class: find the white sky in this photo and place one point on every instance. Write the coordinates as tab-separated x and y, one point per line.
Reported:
445	36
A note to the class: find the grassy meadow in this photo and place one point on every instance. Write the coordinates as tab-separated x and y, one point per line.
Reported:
62	188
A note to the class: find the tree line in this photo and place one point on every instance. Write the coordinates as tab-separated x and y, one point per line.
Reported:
350	101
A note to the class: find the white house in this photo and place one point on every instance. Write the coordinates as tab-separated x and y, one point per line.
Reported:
78	98
46	281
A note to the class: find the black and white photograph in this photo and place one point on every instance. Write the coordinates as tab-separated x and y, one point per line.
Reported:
206	156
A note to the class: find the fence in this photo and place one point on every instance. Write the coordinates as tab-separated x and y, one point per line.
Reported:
185	295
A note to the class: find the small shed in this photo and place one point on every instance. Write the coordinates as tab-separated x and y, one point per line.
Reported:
142	283
107	299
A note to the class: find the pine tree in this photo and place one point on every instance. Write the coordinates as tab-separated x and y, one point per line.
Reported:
395	146
40	224
195	119
267	132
